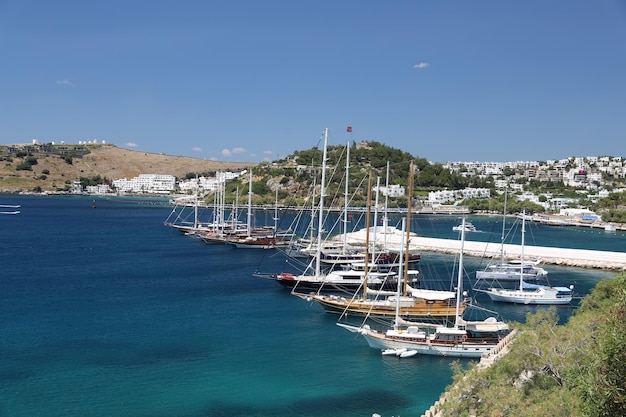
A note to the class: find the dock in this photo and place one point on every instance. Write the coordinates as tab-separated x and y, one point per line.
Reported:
581	258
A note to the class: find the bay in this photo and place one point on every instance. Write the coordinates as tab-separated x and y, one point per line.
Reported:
107	312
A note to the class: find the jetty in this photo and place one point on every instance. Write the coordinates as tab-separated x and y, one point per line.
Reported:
581	258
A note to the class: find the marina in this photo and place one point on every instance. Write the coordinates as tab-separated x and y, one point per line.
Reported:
123	316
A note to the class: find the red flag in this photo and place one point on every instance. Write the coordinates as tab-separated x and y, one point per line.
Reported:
349	129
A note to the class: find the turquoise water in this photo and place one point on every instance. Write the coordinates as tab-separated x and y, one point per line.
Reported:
106	312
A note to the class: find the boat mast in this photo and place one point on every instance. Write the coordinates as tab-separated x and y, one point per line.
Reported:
321	214
235	215
195	206
385	218
250	203
375	219
521	267
408	227
367	233
506	189
396	323
459	283
345	208
222	198
276	213
312	222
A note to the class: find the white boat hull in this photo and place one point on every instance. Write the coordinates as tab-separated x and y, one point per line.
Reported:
540	297
461	350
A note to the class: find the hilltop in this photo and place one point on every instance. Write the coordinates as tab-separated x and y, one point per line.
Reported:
52	167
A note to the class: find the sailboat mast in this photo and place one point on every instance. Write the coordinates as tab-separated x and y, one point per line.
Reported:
195	206
375	218
222	187
235	215
521	268
321	214
408	227
250	203
312	222
386	219
506	190
459	283
367	233
345	208
396	323
276	213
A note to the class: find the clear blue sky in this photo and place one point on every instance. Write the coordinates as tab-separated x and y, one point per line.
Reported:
253	80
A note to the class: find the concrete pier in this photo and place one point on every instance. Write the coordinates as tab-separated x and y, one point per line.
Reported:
581	258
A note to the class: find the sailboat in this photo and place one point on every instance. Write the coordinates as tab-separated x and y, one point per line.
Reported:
10	206
432	305
259	238
467	339
528	293
317	278
510	270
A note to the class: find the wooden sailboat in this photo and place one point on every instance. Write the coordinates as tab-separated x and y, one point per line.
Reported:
464	339
260	238
414	303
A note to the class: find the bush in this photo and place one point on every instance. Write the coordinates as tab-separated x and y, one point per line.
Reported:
24	166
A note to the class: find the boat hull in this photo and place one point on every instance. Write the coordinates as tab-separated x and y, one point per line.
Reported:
425	310
378	340
510	275
529	297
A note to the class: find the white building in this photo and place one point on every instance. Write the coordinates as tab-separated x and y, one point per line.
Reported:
98	189
208	183
448	196
147	183
392	191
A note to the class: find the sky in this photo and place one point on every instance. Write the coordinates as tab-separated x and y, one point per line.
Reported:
249	80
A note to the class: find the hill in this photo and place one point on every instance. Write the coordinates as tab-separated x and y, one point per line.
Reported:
576	369
53	167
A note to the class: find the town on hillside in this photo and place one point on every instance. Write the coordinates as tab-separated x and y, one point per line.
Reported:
553	186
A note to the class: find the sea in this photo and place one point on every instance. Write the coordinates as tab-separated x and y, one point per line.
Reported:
105	311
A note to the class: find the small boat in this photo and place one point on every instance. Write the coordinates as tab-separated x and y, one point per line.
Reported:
393	352
408	353
610	227
10	206
468	227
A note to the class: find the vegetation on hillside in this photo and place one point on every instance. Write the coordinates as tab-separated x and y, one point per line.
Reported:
295	176
55	167
576	369
292	179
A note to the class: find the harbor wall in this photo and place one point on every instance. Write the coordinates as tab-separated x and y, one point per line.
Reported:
581	258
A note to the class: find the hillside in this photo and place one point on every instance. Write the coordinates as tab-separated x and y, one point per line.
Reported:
57	166
576	369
